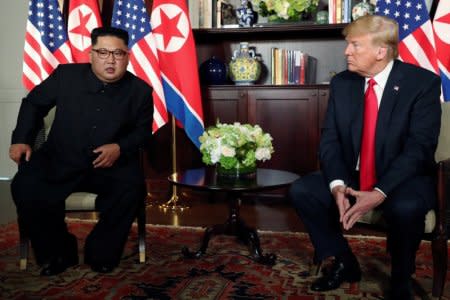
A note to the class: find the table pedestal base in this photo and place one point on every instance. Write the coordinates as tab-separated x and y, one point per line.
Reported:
234	226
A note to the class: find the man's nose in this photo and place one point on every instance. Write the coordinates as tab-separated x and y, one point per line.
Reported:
111	58
347	50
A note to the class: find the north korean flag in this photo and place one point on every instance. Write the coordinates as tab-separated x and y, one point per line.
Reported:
83	17
178	64
441	25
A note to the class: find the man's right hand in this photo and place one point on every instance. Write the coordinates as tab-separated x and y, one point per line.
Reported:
17	150
342	202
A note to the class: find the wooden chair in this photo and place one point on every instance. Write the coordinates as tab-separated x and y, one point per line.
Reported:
435	220
82	202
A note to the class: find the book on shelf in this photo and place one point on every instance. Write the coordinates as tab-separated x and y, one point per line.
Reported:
194	10
339	11
209	13
292	67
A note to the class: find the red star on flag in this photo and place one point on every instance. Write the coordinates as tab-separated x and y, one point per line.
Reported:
81	28
84	15
168	28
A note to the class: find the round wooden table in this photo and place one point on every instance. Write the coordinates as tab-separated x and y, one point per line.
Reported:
207	179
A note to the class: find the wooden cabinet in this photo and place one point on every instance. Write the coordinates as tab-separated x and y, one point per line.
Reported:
290	114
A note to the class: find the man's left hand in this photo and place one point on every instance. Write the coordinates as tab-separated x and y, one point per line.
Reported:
365	201
107	155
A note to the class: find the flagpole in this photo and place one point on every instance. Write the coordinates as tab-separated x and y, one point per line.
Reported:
172	203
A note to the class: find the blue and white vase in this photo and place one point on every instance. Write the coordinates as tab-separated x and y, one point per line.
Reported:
245	14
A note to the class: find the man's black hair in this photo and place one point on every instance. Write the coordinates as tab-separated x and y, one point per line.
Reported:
109	31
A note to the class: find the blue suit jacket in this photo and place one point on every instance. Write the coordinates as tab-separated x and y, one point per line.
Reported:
407	127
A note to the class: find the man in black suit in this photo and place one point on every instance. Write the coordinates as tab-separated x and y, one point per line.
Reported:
103	115
406	134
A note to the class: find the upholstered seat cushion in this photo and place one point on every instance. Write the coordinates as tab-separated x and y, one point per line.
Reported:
81	201
443	148
376	217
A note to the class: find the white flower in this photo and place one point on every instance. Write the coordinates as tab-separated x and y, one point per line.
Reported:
235	145
228	151
263	154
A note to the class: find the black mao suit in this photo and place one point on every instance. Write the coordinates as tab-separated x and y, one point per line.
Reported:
89	113
407	132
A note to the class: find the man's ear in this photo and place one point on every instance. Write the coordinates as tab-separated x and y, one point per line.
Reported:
382	52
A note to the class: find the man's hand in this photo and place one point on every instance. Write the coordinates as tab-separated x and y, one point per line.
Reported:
17	150
365	201
341	199
108	154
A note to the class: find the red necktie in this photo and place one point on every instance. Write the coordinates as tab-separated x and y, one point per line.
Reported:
367	176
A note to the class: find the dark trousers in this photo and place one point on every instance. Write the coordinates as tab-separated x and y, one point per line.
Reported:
40	206
404	211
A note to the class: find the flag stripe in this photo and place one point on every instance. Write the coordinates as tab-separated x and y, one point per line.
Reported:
131	15
426	45
180	109
46	43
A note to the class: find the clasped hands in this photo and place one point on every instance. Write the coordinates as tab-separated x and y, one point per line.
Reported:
365	201
106	154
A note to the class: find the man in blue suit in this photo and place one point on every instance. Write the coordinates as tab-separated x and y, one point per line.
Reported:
406	130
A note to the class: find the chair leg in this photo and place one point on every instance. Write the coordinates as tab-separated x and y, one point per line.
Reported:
141	231
23	252
440	261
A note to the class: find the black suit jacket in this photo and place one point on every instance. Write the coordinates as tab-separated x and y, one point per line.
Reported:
89	113
407	129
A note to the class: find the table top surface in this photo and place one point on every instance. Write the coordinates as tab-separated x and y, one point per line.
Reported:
207	179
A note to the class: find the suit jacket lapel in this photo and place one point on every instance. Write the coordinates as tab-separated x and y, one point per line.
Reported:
357	105
388	102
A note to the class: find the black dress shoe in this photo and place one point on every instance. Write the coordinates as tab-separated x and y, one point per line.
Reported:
338	273
67	258
58	265
102	268
401	290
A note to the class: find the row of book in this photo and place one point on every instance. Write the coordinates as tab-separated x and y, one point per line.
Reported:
292	67
339	11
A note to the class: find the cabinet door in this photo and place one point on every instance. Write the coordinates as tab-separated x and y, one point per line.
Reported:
226	104
290	115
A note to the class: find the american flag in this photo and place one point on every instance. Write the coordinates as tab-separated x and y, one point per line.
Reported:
132	16
441	24
46	43
416	36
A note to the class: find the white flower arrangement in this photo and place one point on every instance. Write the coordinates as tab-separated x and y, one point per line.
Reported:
284	9
235	146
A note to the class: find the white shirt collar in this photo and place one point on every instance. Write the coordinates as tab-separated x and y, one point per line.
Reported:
382	77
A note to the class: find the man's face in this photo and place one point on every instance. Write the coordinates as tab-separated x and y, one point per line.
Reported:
109	58
362	55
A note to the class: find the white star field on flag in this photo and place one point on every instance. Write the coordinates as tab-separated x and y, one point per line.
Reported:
48	20
136	20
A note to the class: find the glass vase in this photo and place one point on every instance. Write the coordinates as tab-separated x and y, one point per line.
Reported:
240	172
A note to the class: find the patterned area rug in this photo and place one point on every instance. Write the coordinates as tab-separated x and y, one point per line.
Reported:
225	272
